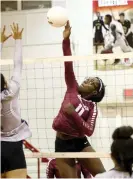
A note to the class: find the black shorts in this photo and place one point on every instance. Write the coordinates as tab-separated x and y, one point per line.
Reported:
12	156
71	145
98	37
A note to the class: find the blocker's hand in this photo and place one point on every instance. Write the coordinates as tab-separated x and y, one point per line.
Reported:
16	32
4	37
67	31
69	109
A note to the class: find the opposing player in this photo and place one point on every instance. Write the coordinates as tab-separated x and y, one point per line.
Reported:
13	129
53	172
121	153
77	118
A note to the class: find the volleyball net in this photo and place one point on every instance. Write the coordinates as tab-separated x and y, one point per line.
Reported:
42	91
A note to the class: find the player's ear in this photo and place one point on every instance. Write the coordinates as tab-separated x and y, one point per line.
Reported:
94	92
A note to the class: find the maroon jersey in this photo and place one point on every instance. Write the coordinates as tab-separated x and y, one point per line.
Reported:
52	170
82	121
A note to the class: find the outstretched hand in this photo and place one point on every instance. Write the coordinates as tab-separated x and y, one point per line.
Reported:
67	31
16	32
4	37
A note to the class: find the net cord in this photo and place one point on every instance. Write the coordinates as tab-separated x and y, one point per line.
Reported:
68	155
71	58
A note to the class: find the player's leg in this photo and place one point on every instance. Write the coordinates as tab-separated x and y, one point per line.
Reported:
16	163
94	165
66	168
3	159
19	173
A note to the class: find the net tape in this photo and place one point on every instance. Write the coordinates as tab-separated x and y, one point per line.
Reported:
73	58
68	155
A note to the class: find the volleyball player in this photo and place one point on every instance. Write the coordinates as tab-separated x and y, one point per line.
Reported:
52	170
77	118
121	153
13	129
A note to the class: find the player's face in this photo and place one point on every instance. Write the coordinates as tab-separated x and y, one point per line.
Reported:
98	14
121	18
89	86
106	20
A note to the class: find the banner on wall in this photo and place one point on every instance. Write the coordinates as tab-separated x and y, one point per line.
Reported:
113	32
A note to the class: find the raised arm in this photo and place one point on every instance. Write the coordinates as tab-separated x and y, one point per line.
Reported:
85	127
16	77
3	38
69	72
17	61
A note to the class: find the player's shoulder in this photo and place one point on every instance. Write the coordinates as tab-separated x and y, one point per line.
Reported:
95	20
114	22
127	22
92	105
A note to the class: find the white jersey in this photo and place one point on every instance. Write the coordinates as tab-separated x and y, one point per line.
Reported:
118	25
120	40
12	127
114	174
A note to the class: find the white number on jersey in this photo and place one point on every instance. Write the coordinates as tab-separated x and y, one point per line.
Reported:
81	109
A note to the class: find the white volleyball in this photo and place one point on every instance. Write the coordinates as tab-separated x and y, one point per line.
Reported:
57	16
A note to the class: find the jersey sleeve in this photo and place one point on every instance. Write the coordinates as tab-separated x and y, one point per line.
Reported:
50	169
14	84
69	72
85	172
86	127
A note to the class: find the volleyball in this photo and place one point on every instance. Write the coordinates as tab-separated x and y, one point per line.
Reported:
57	16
